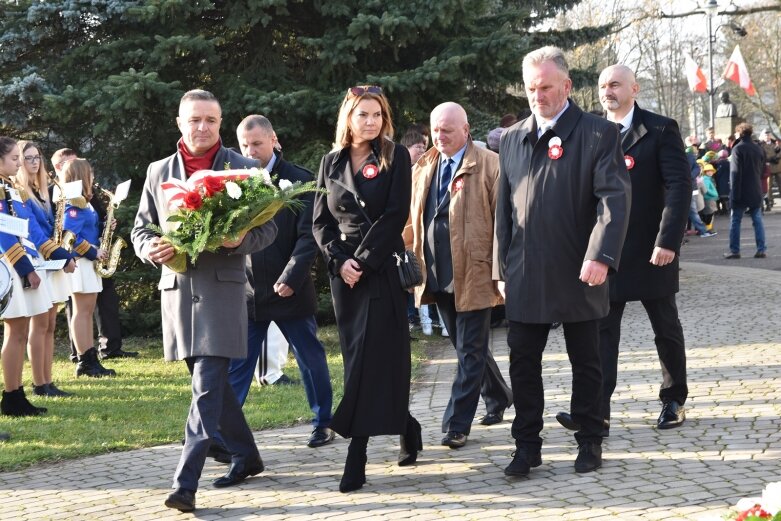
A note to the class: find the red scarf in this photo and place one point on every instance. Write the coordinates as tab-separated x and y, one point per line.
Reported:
194	163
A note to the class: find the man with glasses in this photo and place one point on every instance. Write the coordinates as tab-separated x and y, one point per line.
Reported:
107	306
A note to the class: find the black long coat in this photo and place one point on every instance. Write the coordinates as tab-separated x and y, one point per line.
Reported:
372	316
288	260
553	214
746	163
661	195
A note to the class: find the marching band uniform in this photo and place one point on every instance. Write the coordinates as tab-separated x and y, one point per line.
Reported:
59	282
85	225
23	255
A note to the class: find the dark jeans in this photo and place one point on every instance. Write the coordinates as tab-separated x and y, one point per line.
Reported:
301	333
527	342
668	336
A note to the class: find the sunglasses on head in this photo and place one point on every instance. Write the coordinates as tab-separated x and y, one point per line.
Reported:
360	91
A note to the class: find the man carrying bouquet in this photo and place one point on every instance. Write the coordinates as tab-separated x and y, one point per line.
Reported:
198	302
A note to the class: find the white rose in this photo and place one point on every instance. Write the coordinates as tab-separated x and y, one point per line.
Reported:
771	497
284	184
234	190
266	176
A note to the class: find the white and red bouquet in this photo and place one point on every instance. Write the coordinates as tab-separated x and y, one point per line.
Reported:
213	207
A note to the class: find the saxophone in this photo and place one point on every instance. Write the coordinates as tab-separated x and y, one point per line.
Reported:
106	267
64	240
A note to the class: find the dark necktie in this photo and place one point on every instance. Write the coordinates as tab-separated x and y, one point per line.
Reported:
444	181
620	127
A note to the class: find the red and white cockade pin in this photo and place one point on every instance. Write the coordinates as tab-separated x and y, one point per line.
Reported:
554	148
458	185
630	162
370	171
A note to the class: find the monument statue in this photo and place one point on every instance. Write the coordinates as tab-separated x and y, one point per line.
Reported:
726	108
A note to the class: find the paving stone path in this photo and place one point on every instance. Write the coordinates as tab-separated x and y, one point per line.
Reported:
730	446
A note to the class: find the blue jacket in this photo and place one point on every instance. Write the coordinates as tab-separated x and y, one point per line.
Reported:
38	241
85	224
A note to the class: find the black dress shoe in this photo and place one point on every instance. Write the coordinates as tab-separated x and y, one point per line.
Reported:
524	459
119	353
566	421
238	473
589	457
220	453
673	415
731	255
320	436
492	418
454	440
284	380
760	255
181	499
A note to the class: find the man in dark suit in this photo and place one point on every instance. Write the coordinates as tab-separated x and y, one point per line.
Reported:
661	190
561	217
452	219
204	312
280	286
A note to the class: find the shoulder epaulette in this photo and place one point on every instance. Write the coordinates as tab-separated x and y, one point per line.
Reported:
78	202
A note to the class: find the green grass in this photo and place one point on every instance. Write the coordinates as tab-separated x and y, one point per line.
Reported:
145	405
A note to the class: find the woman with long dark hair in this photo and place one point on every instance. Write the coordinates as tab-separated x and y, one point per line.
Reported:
358	225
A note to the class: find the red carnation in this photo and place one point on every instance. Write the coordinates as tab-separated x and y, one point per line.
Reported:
213	184
192	200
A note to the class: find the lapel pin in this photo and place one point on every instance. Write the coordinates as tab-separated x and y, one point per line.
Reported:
554	148
458	185
630	162
370	171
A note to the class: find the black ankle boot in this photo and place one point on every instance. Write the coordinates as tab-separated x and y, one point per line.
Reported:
354	475
410	443
34	411
14	403
90	366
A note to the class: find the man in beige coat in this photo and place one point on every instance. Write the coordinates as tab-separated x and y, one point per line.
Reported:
451	230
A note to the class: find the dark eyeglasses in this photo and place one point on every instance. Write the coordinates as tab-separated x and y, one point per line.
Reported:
360	91
32	159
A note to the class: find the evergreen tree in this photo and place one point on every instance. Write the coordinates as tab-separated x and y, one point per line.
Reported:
105	76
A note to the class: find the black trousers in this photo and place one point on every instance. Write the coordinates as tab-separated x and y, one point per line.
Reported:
477	371
668	336
106	317
527	342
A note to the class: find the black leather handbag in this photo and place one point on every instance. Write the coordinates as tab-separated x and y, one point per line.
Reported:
409	269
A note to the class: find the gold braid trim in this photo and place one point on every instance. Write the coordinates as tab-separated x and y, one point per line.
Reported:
83	247
47	248
14	253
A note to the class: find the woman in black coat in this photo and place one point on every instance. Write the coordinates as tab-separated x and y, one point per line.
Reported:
358	225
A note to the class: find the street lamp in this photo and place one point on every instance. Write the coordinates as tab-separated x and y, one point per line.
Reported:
711	8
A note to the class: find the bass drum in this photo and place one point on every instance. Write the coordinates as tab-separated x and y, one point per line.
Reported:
6	287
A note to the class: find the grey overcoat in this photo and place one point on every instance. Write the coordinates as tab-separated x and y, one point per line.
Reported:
552	214
204	311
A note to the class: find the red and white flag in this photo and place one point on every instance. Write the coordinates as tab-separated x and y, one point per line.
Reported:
694	75
736	71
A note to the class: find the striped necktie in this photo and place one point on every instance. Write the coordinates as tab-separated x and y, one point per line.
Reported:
444	181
